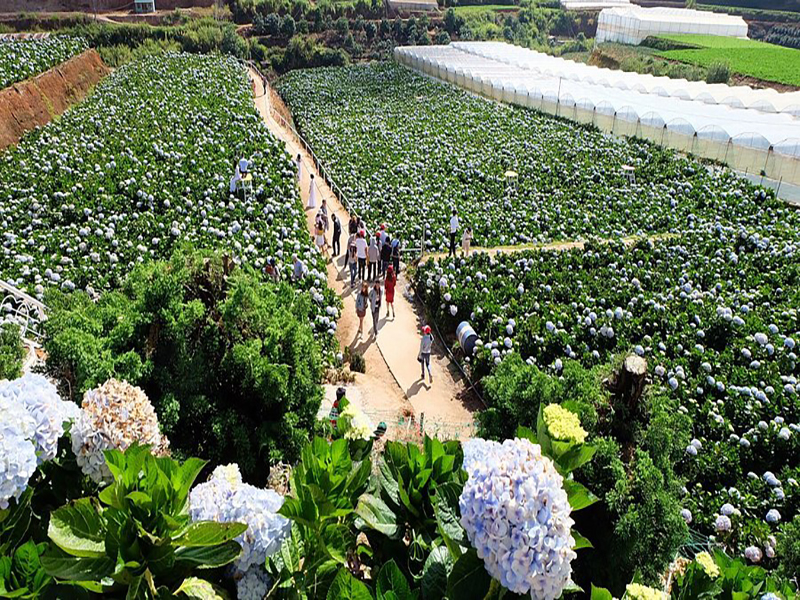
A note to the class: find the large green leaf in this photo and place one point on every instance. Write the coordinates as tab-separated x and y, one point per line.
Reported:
391	579
579	497
208	556
347	587
78	528
599	593
377	515
61	565
468	580
445	506
434	574
209	533
200	589
576	457
580	541
388	483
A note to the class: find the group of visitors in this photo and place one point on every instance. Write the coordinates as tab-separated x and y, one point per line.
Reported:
372	261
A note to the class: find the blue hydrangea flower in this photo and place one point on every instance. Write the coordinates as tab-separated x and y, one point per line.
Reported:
773	516
727	509
17	463
253	584
49	412
723	523
686	515
516	515
225	499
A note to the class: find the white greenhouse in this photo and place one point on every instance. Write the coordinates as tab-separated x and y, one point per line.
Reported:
632	24
748	139
593	5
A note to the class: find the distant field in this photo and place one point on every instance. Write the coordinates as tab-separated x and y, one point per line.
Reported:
745	57
480	8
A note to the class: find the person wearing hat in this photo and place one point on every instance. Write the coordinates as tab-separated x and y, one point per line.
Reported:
361	253
425	347
384	234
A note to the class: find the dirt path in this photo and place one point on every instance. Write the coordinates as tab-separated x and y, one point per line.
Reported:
628	241
391	386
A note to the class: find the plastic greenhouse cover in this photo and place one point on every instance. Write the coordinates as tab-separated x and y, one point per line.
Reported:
774	127
567	69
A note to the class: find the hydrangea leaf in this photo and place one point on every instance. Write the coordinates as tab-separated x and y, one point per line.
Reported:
209	533
377	515
208	556
579	497
347	587
468	580
61	565
200	589
392	580
77	528
434	573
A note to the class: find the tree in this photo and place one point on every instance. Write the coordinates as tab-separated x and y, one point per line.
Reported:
288	27
371	30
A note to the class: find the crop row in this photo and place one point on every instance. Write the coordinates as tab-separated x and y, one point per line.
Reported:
21	59
406	150
715	313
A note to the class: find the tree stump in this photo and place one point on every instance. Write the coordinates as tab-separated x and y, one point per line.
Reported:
628	384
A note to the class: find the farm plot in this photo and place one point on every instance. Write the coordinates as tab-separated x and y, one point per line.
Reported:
715	313
140	169
21	59
745	57
406	150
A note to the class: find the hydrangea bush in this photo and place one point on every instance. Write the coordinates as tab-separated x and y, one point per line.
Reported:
21	59
517	516
32	419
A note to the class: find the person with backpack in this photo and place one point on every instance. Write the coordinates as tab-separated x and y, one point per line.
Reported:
425	348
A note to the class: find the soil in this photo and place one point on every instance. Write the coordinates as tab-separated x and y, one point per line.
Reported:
35	102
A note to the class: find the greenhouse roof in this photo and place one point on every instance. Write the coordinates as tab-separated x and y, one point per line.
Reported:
746	127
592	4
663	14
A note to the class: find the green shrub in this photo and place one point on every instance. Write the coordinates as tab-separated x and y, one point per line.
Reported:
515	390
789	548
12	352
718	72
229	362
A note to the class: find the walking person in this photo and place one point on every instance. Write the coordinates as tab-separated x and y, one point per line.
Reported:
425	347
312	192
396	256
466	240
337	233
362	300
299	164
386	255
352	259
453	232
319	237
352	226
373	254
389	285
375	296
361	253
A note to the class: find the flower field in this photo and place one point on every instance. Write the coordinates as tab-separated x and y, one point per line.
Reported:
138	170
715	313
21	59
405	150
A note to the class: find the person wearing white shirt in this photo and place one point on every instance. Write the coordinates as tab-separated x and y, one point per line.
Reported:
453	231
244	166
361	253
299	162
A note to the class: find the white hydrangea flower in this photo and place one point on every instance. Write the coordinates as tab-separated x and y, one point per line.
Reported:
49	412
516	514
17	461
253	585
113	416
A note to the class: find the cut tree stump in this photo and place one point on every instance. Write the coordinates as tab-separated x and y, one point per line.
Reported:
628	384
